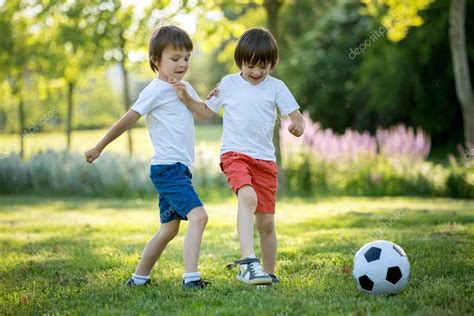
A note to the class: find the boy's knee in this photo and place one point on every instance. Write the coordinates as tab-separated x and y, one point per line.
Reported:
198	216
247	197
174	232
266	226
169	233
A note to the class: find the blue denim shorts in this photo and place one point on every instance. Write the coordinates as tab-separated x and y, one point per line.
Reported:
177	196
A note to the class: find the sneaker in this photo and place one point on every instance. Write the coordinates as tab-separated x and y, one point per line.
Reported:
197	284
130	282
274	278
251	272
275	281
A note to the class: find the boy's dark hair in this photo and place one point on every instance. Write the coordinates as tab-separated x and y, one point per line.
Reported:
164	36
256	45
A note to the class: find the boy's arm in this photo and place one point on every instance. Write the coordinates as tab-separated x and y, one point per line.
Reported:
297	123
123	124
198	107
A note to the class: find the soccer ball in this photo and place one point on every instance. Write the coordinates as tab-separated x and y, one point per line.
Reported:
381	267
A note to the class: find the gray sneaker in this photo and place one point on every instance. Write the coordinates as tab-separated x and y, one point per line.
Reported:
274	278
131	283
251	272
198	284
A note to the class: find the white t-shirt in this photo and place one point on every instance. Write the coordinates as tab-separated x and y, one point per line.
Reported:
250	114
170	123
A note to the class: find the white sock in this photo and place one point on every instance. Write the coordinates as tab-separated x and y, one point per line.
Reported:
193	276
140	279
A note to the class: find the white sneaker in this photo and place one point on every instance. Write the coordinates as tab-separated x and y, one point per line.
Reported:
251	272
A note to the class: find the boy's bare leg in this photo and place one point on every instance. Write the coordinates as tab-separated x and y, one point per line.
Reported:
268	242
156	245
192	241
247	204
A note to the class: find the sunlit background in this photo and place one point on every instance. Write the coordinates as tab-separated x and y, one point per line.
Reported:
375	80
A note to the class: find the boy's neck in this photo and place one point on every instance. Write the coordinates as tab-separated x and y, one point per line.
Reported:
163	78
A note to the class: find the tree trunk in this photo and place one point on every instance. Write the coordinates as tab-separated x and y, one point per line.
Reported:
457	40
17	87
126	93
70	107
272	7
21	116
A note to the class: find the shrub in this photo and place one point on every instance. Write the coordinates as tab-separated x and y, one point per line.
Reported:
14	175
63	173
460	182
392	162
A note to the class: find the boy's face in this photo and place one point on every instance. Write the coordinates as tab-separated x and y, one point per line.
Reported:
174	63
255	73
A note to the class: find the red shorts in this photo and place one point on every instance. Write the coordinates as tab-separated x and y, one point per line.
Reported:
241	169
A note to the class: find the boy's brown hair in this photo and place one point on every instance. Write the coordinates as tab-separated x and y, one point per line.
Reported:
256	45
164	36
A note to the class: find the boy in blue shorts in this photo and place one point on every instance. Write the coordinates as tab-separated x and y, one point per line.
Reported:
171	128
250	99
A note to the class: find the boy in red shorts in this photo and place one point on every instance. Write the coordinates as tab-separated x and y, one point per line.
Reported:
250	99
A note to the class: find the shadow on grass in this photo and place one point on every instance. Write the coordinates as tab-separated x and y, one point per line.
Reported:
69	203
56	255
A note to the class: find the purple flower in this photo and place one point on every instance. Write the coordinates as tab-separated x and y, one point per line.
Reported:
396	143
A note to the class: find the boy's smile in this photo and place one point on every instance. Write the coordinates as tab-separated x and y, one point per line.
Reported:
255	73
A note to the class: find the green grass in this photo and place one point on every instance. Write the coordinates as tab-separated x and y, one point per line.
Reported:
207	138
72	256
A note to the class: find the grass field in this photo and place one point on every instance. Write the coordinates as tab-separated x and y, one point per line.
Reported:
207	138
72	256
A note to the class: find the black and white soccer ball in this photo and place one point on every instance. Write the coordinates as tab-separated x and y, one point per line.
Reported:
381	267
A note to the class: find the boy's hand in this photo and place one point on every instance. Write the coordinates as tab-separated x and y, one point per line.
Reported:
296	128
297	123
180	89
214	93
92	154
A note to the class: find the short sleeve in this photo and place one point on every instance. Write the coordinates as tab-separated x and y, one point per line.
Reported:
285	101
192	92
215	102
148	100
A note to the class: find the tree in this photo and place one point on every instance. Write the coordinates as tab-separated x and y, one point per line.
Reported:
411	81
20	44
316	60
399	16
403	14
272	9
80	31
457	39
129	33
345	71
